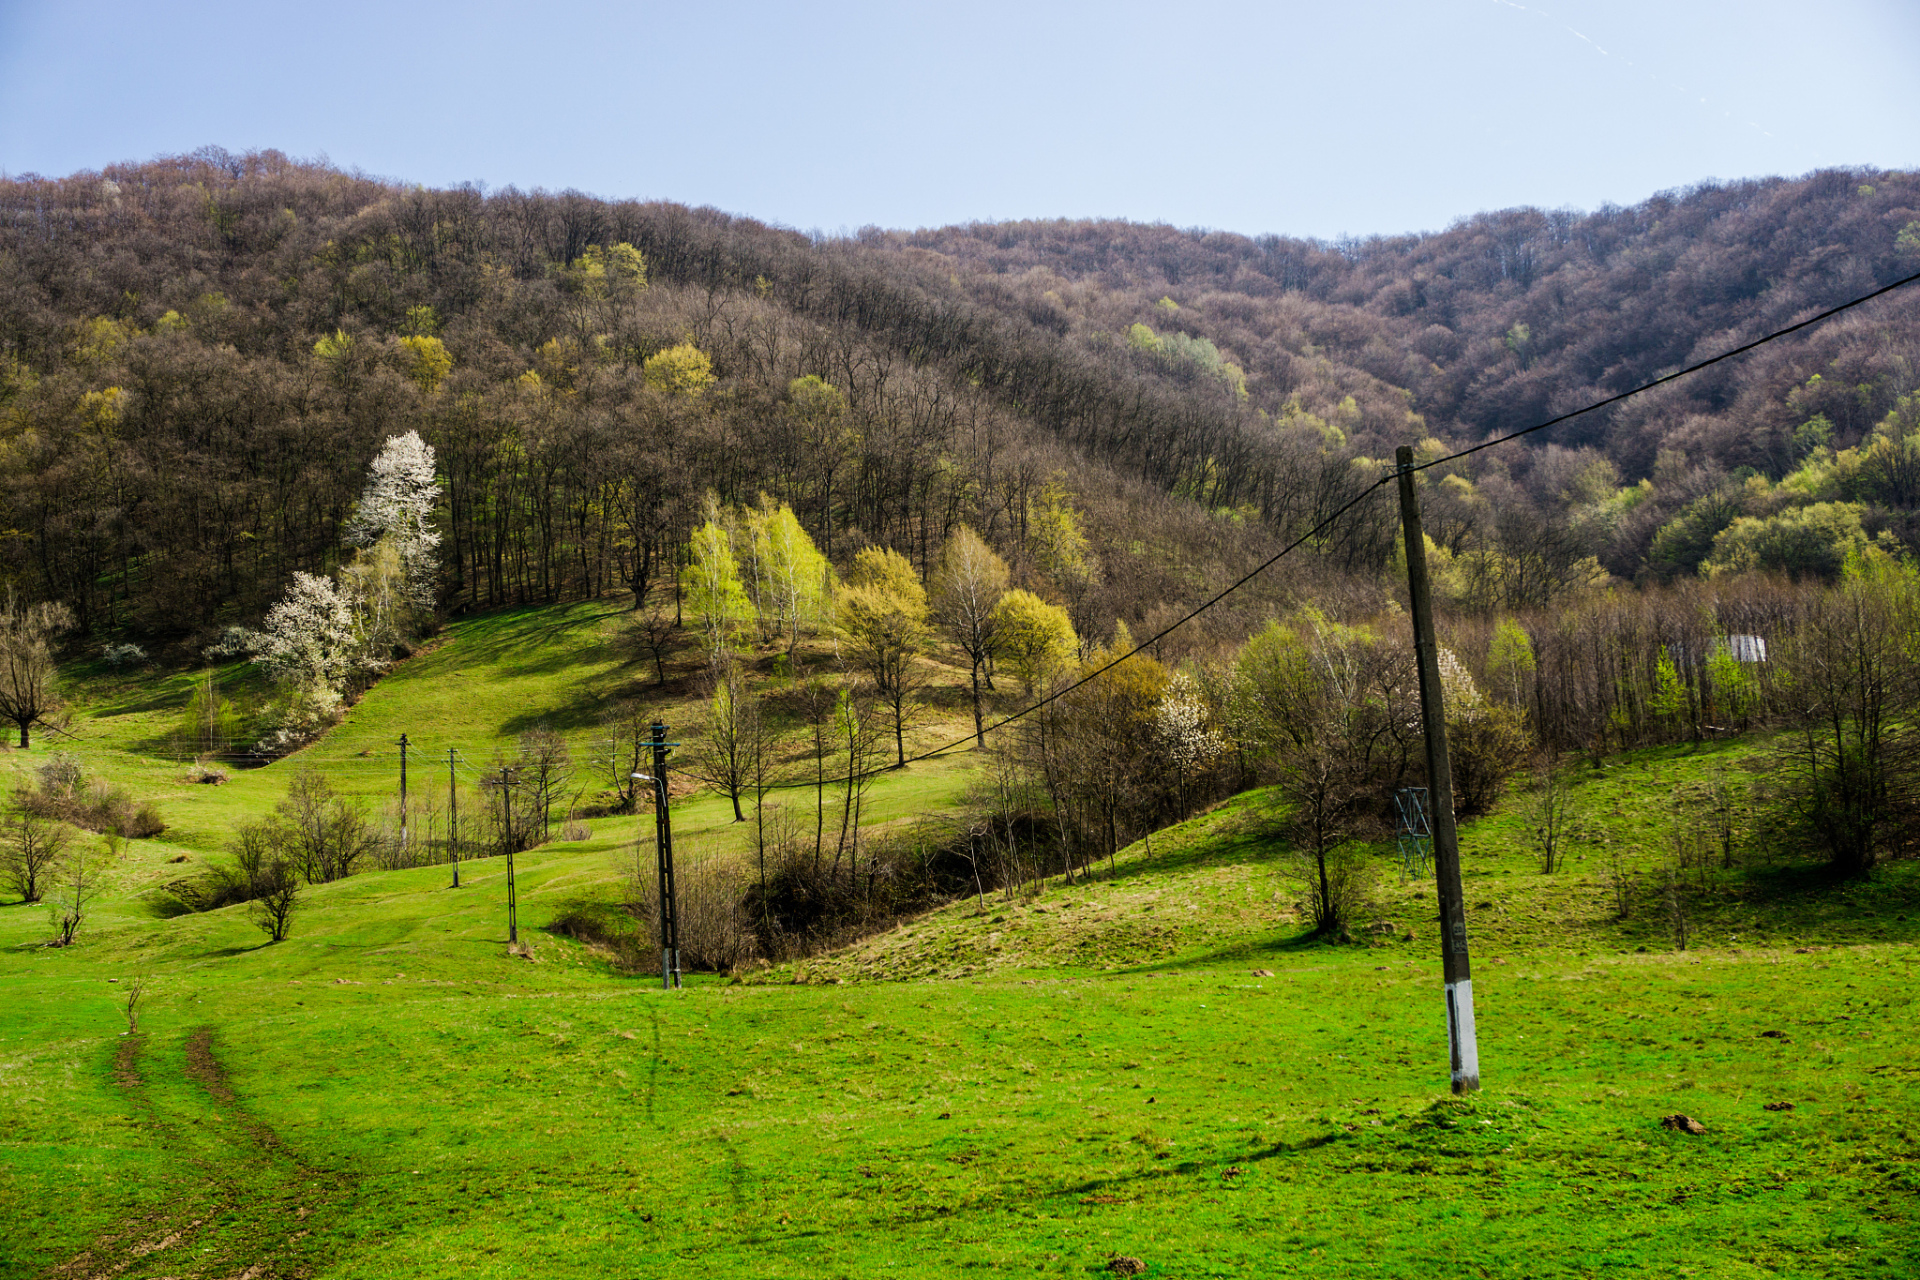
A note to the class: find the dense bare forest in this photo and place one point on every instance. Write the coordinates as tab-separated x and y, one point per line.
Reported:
201	354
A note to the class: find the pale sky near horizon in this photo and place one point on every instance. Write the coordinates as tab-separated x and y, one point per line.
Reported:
1301	119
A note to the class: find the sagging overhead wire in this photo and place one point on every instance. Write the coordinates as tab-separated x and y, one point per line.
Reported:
1741	350
476	775
1358	498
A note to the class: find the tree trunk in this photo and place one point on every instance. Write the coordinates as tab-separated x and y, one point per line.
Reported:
1326	890
979	721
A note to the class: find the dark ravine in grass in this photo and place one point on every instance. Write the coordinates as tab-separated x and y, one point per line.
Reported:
266	1202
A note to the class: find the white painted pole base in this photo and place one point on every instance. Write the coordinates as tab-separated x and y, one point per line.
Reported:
1464	1048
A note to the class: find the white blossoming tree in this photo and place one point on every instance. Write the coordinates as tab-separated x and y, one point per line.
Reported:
1180	722
395	508
322	634
309	645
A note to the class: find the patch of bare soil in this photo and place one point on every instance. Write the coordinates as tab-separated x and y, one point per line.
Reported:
126	1063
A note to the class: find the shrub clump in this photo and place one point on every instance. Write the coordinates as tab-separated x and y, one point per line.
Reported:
64	792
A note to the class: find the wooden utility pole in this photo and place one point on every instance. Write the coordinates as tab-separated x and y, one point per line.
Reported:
453	818
403	793
506	834
1463	1047
663	839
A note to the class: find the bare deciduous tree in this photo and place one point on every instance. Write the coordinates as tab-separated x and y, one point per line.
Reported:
857	730
655	627
276	889
325	835
31	849
1549	813
542	776
27	694
76	883
733	737
967	584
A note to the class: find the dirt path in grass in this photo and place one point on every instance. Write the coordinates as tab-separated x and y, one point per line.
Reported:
260	1199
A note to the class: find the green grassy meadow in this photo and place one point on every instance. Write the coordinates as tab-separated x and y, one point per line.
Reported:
1023	1086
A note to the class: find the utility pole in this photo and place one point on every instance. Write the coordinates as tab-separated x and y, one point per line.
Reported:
663	839
506	833
1456	972
453	819
403	793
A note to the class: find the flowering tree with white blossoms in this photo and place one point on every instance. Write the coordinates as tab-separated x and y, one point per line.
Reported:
309	645
321	635
395	508
1180	722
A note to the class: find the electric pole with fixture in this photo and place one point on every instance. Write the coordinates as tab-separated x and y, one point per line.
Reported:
1456	971
663	842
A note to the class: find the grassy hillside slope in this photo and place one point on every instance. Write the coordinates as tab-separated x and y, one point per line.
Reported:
1151	1063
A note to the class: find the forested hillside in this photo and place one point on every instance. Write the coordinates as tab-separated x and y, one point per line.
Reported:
202	353
1508	318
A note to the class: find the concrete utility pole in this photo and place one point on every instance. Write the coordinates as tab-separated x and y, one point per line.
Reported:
1457	973
403	793
506	834
453	819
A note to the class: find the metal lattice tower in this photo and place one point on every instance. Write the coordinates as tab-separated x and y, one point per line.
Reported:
1413	835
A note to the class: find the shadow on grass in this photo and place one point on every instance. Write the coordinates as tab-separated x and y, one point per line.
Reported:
1811	900
1245	833
149	691
504	638
1247	951
582	711
226	953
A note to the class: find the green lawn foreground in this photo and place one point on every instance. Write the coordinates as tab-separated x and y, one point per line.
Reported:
1027	1086
406	1099
457	1113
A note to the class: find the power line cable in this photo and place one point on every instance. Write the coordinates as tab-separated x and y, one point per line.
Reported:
1777	334
1828	314
1091	676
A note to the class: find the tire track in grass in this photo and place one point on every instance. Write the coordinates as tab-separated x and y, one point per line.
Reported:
265	1199
117	1250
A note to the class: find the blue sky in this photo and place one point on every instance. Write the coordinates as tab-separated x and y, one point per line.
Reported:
1303	119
